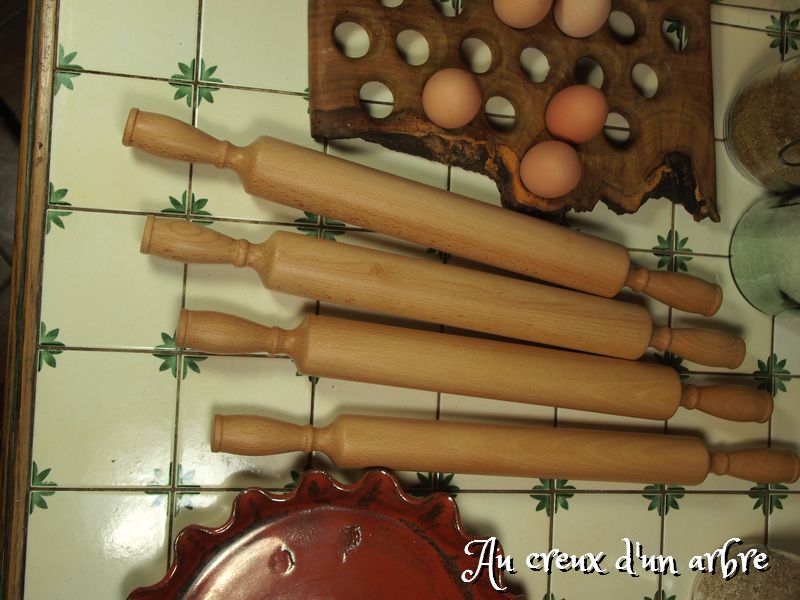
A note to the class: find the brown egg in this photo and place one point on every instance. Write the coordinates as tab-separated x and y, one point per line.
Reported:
451	98
550	169
581	18
577	113
521	14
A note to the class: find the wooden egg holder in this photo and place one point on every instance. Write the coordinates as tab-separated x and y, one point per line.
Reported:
670	151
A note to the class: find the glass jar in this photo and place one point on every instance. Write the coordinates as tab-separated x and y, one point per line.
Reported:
762	127
765	255
780	582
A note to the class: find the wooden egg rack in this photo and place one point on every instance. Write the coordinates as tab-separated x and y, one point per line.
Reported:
670	151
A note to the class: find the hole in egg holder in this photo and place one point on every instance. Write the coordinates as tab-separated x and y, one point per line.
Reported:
645	79
684	38
413	47
476	55
392	3
535	64
451	9
351	39
618	131
500	113
624	28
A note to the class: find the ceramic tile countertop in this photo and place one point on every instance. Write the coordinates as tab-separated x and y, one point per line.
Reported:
120	457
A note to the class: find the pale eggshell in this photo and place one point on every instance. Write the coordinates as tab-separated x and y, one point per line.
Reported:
550	169
581	18
577	113
451	98
521	14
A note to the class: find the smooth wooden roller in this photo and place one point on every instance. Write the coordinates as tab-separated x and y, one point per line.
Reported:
452	364
349	275
353	441
322	184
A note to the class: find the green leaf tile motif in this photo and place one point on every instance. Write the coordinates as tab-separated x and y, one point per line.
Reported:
307	98
177	207
183	500
184	82
674	361
772	375
428	483
549	496
308	224
39	479
293	483
66	70
792	34
50	346
670	247
660	595
169	360
663	498
768	497
315	226
775	32
55	197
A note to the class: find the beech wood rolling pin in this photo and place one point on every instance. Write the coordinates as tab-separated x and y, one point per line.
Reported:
322	184
352	276
353	441
453	364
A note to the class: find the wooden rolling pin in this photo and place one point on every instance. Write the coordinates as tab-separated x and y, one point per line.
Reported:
353	441
322	184
453	364
419	289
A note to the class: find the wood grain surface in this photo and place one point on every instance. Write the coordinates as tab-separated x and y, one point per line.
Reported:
670	151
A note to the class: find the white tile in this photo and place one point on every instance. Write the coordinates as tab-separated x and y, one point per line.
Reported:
269	48
96	544
99	291
599	523
148	37
520	530
703	524
87	155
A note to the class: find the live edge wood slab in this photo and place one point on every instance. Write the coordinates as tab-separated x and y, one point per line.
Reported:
670	151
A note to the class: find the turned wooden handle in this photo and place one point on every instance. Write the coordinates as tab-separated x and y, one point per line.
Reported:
703	346
171	138
308	180
353	441
731	402
178	240
679	290
467	366
763	465
219	333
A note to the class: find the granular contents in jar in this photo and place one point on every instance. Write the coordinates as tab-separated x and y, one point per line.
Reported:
780	582
762	121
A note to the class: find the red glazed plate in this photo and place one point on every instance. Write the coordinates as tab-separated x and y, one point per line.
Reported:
326	541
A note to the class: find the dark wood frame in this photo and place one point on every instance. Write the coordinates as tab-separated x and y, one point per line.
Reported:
17	409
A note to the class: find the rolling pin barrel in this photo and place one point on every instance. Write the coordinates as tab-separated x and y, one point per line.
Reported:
349	275
401	357
354	441
323	184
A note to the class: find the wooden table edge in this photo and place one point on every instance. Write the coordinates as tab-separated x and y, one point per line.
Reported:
32	183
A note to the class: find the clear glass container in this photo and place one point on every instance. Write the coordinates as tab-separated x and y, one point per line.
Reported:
765	255
762	127
780	582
